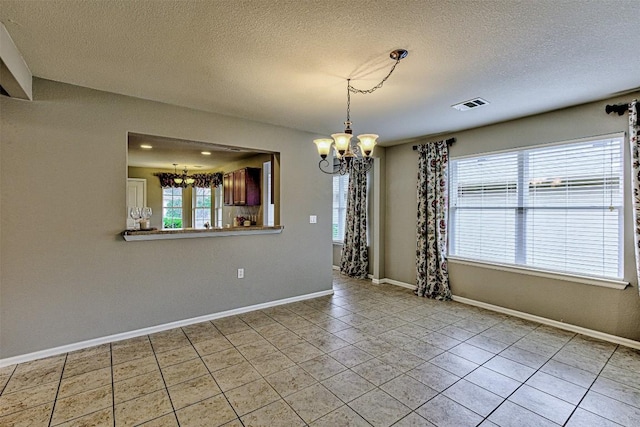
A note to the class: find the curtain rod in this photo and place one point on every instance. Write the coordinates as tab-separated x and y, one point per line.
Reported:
449	142
619	108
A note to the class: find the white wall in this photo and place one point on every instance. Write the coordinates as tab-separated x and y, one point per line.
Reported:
66	275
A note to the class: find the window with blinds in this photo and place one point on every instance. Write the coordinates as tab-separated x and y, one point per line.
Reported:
556	208
340	191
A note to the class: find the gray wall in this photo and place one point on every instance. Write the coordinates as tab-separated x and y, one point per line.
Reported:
608	310
66	275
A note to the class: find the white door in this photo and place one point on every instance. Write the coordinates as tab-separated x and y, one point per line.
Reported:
136	196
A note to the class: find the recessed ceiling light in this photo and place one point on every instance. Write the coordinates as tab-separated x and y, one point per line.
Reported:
205	153
146	146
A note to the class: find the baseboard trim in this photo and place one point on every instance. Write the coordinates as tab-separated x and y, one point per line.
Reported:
153	329
560	325
543	320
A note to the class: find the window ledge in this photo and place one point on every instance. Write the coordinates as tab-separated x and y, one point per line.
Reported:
587	280
191	233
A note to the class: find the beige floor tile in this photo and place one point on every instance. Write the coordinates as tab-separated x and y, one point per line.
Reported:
201	332
245	337
135	367
45	364
212	345
379	408
323	367
211	412
192	391
343	417
168	340
223	359
348	385
7	370
142	409
175	356
249	397
235	376
290	380
272	363
37	416
84	382
23	379
168	420
313	402
276	414
301	352
257	349
175	374
285	339
134	387
126	353
376	371
87	364
24	399
408	391
88	352
350	356
102	418
271	330
81	404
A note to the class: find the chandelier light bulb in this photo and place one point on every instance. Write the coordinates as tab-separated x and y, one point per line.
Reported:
324	146
342	141
367	143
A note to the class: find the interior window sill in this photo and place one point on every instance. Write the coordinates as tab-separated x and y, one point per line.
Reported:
192	233
587	280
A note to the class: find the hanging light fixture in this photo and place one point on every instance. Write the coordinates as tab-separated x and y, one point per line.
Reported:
183	180
345	149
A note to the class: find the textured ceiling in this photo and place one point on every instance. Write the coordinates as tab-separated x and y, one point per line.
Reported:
286	62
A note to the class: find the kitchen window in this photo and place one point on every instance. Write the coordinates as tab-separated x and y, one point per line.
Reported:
556	208
201	207
172	207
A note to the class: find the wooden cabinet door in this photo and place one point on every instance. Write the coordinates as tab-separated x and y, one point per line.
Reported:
240	187
253	186
227	186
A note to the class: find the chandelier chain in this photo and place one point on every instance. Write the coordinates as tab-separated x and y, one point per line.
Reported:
376	87
366	91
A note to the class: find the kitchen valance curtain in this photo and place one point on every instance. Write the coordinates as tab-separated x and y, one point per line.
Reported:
202	180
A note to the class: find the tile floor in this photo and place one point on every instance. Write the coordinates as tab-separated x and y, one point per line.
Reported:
368	355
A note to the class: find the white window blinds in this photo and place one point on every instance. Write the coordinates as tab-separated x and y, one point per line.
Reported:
340	191
556	208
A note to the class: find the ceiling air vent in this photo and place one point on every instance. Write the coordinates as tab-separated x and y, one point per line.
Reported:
470	104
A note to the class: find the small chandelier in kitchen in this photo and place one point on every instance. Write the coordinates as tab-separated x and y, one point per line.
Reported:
183	180
346	150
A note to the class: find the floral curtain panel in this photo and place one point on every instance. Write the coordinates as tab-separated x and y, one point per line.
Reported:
431	230
634	142
355	256
202	180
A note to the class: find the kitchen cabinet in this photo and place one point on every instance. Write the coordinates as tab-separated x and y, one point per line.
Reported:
242	187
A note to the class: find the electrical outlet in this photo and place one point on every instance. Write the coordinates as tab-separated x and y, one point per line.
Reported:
313	219
241	273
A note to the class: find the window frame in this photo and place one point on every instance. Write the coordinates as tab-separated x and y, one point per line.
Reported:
520	210
343	190
195	208
180	208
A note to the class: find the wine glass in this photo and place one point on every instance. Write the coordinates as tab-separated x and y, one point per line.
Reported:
146	213
135	214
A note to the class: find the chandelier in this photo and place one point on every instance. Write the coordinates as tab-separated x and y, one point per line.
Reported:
183	180
345	149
